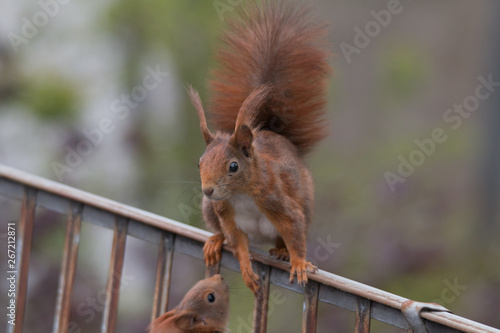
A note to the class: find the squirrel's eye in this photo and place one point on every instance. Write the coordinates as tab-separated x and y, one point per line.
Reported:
233	167
211	298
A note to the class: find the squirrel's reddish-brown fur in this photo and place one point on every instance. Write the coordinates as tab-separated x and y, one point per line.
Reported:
204	309
268	99
276	43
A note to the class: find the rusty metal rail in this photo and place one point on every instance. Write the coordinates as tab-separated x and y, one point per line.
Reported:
171	236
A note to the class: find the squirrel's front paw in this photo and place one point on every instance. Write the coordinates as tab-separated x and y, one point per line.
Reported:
301	267
251	279
212	250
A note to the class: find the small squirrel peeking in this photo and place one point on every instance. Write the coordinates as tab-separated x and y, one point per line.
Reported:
204	309
268	98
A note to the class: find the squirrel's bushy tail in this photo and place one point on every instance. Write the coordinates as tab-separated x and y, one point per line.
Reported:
278	44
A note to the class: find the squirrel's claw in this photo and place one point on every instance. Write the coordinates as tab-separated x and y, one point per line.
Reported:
280	254
251	280
212	250
301	267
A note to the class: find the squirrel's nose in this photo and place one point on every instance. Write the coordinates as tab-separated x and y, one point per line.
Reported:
208	191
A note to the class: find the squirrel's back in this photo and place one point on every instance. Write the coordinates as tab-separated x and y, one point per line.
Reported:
274	43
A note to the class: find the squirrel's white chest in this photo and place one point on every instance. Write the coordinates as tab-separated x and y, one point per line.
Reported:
251	220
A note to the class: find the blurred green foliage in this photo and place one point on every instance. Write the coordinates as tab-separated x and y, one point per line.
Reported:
51	98
182	28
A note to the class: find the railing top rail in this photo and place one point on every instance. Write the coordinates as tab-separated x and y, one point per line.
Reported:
103	203
323	277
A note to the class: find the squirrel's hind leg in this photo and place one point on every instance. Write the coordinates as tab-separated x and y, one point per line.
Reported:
280	251
292	228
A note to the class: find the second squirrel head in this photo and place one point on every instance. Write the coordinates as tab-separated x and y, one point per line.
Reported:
227	161
205	308
208	300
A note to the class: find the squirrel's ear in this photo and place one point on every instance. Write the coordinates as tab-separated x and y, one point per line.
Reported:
196	100
248	111
159	324
188	321
242	139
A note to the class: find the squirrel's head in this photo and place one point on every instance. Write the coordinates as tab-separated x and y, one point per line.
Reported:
226	165
205	308
205	304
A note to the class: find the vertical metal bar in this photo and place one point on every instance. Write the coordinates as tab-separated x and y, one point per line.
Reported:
309	314
68	267
168	273
163	274
114	275
23	247
261	299
363	312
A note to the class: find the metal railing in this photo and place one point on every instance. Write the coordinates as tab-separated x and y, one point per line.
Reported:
171	236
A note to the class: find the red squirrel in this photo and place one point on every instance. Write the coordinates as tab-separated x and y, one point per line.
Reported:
204	309
268	107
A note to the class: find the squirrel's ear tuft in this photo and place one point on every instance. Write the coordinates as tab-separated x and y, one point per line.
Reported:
242	139
196	100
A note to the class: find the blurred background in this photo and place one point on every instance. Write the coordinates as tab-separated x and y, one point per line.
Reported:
407	184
